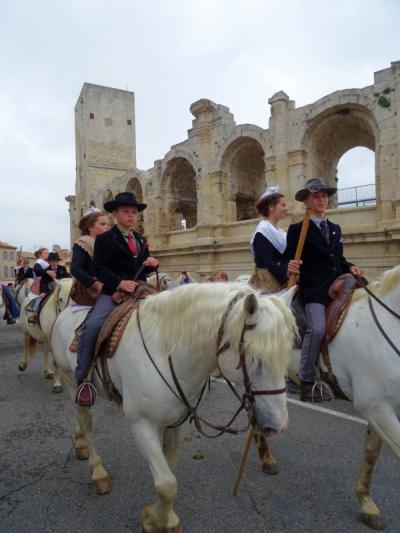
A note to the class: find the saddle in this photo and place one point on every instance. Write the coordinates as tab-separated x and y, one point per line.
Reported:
111	333
340	292
29	305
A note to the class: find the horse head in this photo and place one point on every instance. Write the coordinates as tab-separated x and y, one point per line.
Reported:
62	292
255	344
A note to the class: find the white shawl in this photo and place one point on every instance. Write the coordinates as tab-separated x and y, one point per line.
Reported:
276	236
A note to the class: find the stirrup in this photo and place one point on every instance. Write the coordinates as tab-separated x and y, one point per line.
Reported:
86	394
321	387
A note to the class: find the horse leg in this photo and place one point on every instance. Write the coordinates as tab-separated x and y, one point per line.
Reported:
57	386
384	426
160	516
269	465
23	362
171	446
83	434
370	513
47	370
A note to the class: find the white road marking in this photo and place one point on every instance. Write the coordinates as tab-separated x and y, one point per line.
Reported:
328	411
314	407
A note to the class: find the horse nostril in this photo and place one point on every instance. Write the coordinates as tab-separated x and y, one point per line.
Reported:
269	432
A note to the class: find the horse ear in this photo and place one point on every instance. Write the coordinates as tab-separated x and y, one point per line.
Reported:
250	304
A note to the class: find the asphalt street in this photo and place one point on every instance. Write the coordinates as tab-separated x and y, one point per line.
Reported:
43	488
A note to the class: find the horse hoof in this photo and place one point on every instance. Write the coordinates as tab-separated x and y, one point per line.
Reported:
148	527
57	388
22	366
102	486
272	470
82	453
372	521
48	374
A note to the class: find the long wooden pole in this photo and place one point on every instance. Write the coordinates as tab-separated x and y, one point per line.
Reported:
300	244
239	475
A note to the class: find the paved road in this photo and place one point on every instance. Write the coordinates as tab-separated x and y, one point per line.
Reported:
43	488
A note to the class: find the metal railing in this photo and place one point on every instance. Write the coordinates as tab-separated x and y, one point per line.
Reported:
362	195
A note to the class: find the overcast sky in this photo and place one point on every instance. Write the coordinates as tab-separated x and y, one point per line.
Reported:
170	53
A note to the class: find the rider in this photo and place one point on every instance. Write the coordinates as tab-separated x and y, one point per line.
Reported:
322	261
24	272
53	271
269	242
87	287
119	257
41	264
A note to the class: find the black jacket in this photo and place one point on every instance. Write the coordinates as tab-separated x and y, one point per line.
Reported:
82	266
21	275
113	261
267	256
322	263
45	280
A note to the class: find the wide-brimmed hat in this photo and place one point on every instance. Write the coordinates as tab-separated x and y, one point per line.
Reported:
124	198
314	185
53	256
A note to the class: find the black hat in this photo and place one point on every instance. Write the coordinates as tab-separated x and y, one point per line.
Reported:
314	185
123	198
53	256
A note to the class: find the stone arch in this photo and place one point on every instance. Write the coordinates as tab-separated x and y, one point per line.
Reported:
244	130
243	162
332	133
107	196
134	185
180	194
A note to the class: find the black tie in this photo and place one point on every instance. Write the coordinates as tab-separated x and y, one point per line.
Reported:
325	230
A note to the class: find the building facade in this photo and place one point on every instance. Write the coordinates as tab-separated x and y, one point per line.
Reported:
8	261
201	194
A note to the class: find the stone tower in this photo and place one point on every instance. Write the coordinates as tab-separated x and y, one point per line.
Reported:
105	145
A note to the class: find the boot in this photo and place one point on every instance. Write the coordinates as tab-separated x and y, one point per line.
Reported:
306	391
85	393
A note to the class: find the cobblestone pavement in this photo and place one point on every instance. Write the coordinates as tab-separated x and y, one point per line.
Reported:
43	488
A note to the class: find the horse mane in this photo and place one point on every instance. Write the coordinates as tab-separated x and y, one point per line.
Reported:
190	316
382	286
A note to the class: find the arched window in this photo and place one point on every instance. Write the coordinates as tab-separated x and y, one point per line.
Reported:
334	133
243	160
356	178
179	185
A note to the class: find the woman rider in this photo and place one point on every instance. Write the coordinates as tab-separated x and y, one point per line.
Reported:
269	242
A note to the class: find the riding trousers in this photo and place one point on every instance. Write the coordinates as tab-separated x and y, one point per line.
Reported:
315	332
87	340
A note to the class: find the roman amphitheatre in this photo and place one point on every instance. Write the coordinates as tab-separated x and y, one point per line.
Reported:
201	193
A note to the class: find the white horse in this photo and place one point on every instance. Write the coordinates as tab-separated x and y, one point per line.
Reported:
151	407
166	281
367	369
40	332
22	290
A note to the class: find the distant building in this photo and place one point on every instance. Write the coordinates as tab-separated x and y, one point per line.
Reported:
8	261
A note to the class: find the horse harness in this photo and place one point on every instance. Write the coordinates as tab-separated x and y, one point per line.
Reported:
247	400
371	296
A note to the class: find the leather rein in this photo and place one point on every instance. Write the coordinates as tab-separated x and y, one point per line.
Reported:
247	400
371	296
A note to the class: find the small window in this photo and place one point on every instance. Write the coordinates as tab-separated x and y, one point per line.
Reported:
12	256
108	121
129	122
4	255
91	115
6	272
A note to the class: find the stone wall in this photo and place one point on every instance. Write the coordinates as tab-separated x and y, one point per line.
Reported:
210	181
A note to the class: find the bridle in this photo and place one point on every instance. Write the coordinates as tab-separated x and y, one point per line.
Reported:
371	296
247	400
